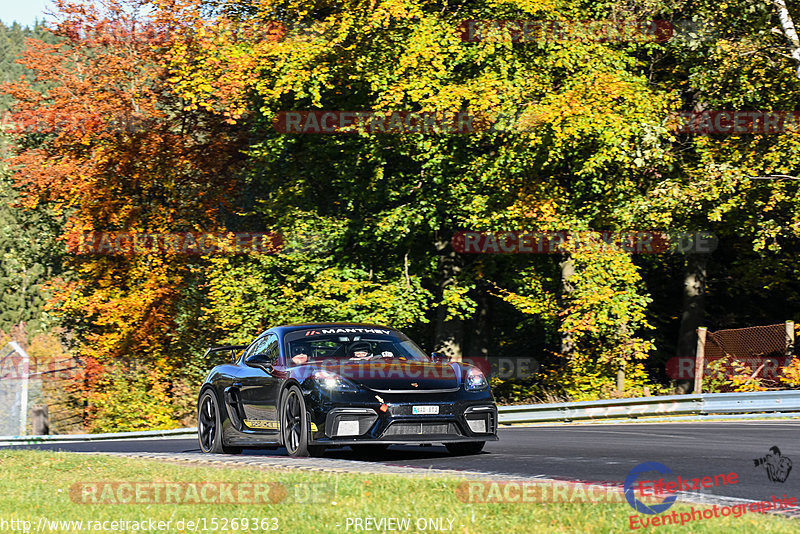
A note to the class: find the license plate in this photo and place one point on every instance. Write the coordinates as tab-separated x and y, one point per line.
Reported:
425	410
348	428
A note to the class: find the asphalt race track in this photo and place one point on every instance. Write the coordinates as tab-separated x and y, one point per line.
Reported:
593	453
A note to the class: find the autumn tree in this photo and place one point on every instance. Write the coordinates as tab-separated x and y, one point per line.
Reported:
556	166
109	146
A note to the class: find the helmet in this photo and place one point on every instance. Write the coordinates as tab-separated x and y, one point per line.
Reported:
359	346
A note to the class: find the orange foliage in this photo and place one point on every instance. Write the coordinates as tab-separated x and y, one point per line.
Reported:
110	146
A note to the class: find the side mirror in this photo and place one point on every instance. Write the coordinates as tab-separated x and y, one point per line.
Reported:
438	357
260	361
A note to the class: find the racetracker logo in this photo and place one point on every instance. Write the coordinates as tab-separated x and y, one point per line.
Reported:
396	369
565	31
682	367
634	242
148	493
734	122
15	367
483	492
377	122
187	243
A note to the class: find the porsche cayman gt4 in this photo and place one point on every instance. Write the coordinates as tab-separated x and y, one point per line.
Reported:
311	386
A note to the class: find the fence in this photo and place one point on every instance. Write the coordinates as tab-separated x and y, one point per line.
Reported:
36	393
757	347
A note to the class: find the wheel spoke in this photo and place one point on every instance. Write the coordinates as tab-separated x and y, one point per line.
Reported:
292	427
287	425
207	423
207	437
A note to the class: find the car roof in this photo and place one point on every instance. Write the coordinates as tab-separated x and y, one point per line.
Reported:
285	329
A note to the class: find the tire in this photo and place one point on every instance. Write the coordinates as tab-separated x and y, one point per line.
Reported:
465	448
294	425
209	425
367	450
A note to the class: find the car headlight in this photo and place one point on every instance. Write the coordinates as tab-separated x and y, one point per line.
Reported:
334	382
475	379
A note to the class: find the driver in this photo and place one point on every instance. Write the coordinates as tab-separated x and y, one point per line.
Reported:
360	350
299	353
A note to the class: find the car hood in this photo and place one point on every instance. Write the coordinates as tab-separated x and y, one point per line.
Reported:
399	375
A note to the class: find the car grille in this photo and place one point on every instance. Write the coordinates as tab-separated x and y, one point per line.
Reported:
426	429
481	422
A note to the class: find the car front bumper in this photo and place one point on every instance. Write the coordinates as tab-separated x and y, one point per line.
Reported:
344	420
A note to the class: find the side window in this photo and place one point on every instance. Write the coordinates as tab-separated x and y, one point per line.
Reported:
255	348
265	349
273	350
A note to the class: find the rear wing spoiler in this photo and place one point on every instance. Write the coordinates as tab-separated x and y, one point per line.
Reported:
234	349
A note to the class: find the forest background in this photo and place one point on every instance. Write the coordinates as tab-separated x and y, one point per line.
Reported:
157	117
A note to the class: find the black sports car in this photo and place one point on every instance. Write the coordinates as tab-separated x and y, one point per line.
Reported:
312	386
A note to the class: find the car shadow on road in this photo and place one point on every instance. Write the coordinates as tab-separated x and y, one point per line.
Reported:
393	453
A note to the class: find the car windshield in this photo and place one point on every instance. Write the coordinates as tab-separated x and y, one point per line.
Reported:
350	347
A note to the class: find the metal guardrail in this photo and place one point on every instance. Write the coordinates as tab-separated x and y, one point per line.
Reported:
62	438
772	402
764	402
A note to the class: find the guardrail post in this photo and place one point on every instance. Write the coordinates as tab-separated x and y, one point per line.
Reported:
699	358
789	338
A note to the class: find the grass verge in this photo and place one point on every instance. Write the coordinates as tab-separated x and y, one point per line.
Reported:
48	488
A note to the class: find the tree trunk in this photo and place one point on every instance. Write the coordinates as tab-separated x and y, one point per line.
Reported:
481	325
567	271
693	312
449	336
787	25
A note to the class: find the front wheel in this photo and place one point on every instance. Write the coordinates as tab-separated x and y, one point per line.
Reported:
465	448
294	425
209	425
